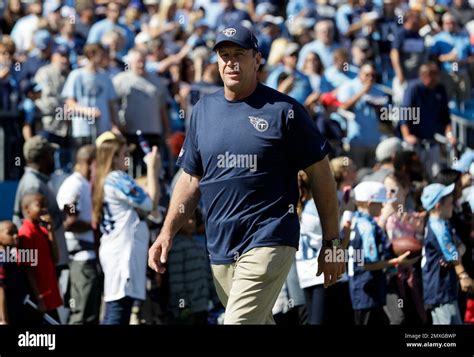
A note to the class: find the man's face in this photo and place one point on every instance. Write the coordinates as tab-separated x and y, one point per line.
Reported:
430	76
367	74
36	8
137	63
113	12
290	60
324	34
449	24
99	58
62	60
237	66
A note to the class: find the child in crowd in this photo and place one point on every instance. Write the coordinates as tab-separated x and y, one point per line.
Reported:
13	281
369	253
441	263
404	283
190	278
36	233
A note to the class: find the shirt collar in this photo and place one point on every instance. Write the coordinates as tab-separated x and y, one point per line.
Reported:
29	224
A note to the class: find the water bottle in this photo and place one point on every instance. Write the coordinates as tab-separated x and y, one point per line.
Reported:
144	146
143	143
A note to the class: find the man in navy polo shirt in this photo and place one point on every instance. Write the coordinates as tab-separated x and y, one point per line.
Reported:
426	113
242	153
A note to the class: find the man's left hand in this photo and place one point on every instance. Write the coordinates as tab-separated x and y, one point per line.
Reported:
330	266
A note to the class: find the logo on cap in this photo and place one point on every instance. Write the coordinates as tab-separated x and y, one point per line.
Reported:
229	32
259	123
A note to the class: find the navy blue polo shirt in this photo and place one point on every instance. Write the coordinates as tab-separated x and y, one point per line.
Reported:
368	289
440	284
433	110
248	153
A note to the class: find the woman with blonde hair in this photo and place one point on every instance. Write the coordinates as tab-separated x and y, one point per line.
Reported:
277	51
119	208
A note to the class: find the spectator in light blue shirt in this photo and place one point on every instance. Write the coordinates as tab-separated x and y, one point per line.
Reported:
361	96
111	23
341	71
324	44
287	79
453	50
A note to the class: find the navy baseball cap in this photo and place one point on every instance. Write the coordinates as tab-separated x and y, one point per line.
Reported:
61	49
238	34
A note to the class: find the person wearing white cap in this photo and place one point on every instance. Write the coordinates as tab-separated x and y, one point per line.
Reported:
441	264
369	253
385	155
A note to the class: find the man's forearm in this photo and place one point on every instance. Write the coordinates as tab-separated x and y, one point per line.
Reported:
323	187
184	201
395	59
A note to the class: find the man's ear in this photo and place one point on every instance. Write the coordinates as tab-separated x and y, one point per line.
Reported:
258	59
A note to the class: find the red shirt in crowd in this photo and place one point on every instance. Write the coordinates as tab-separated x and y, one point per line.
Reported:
33	236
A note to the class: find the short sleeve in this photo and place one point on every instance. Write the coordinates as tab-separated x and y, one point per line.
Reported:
69	87
189	158
119	89
125	189
68	193
27	242
448	248
306	143
398	41
342	20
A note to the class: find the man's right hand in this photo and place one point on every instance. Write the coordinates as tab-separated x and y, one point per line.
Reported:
158	253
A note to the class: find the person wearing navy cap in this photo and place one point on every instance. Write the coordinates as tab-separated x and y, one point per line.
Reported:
242	153
51	79
441	263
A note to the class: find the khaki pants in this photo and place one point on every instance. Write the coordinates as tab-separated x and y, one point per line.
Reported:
249	287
